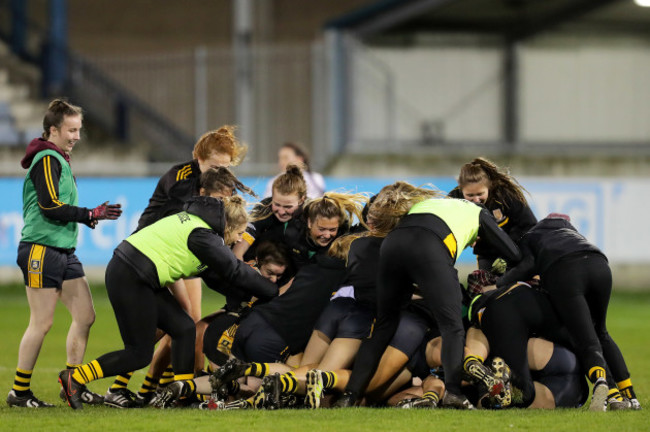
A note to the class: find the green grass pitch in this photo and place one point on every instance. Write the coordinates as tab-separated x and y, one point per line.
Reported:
629	324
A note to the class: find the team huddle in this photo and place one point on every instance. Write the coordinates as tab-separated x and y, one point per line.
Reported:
332	299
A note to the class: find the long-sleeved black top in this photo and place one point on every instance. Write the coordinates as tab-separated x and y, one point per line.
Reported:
548	241
512	216
174	188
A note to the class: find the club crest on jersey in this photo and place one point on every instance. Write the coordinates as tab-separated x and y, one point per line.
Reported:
498	215
183	217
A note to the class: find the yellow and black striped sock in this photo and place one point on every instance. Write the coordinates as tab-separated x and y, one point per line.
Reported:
149	385
470	358
614	394
88	372
626	388
329	379
432	396
71	366
167	377
191	385
289	382
121	381
259	370
22	381
595	373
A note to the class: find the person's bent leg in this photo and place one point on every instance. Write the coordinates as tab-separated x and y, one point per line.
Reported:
181	328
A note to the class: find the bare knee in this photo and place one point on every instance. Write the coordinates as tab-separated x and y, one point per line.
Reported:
85	319
40	325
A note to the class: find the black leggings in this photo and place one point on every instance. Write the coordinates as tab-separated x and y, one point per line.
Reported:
414	255
580	286
139	310
512	317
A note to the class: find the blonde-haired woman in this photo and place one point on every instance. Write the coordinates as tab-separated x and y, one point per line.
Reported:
194	242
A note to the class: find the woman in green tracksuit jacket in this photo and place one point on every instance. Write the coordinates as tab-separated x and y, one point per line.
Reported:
194	242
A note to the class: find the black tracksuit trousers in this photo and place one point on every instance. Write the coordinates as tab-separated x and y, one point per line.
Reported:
580	285
139	310
414	255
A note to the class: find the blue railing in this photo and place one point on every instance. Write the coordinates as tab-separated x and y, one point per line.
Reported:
64	72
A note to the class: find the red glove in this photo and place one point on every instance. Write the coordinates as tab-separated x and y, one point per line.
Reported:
106	211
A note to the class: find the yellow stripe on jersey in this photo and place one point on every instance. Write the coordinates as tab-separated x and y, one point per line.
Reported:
503	222
248	238
47	168
48	177
184	172
450	242
35	266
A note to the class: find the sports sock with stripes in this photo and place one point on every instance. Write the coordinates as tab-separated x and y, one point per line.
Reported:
329	379
22	381
614	395
189	388
471	358
626	388
432	396
121	381
595	373
149	385
259	370
167	376
289	382
88	372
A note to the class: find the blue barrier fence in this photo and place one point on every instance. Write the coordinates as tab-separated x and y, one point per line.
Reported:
583	200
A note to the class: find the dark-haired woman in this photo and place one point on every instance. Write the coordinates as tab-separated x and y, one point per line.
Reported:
46	255
293	153
484	183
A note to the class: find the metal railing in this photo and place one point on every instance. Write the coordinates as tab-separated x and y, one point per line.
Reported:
120	111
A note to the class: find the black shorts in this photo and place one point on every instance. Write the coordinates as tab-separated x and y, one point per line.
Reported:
564	378
410	333
417	364
46	266
219	337
344	317
257	341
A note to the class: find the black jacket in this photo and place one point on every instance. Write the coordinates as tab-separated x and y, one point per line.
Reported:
175	187
512	216
547	242
363	261
294	313
209	247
